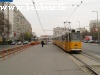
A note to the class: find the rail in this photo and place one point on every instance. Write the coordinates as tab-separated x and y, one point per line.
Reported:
88	66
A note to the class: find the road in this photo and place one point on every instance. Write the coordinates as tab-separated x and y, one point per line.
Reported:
90	47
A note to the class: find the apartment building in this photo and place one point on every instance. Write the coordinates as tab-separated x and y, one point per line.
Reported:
82	29
58	31
1	19
19	24
93	25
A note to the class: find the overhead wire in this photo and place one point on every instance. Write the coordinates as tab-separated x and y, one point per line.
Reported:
73	13
48	5
74	10
38	17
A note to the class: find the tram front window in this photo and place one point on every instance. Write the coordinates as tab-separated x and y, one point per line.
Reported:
75	37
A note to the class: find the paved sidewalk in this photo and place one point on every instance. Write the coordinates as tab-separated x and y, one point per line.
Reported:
49	60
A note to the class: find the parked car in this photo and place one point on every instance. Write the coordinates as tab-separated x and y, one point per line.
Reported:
96	41
25	42
13	43
19	43
86	41
91	41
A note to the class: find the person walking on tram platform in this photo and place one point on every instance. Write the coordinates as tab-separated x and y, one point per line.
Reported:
42	43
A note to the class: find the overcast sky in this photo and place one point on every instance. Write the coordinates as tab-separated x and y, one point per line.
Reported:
76	10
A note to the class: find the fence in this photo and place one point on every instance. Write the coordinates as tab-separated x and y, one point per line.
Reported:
8	52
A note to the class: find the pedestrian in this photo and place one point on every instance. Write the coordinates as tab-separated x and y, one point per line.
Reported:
42	43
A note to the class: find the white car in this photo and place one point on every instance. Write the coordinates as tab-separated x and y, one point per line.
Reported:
25	42
19	43
13	43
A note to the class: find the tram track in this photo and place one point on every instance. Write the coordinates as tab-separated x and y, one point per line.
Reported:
92	56
82	60
90	67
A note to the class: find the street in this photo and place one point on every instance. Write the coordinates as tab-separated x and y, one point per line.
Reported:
90	47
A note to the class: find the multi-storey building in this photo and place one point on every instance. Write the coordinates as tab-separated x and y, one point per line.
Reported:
82	29
93	25
1	19
19	24
58	31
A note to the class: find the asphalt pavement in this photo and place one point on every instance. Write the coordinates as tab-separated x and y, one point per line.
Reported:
92	48
38	60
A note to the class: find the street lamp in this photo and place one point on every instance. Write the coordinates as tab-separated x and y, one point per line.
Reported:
79	25
23	33
97	25
80	29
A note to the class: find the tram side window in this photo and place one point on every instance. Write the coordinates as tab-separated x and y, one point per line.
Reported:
67	38
60	38
57	39
63	37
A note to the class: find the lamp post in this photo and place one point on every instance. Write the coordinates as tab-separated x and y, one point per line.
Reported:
79	25
23	33
97	25
80	30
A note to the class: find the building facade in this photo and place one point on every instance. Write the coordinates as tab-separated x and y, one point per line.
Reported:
1	20
82	29
58	31
93	25
19	24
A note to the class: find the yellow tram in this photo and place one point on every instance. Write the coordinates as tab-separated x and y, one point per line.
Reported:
69	41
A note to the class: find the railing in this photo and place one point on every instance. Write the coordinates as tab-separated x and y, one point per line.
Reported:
11	51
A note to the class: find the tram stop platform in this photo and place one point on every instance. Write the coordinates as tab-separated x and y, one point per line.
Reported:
38	60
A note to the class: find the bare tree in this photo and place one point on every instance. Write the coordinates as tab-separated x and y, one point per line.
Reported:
5	27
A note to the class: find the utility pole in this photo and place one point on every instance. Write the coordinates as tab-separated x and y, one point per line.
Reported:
97	25
80	30
23	33
79	25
